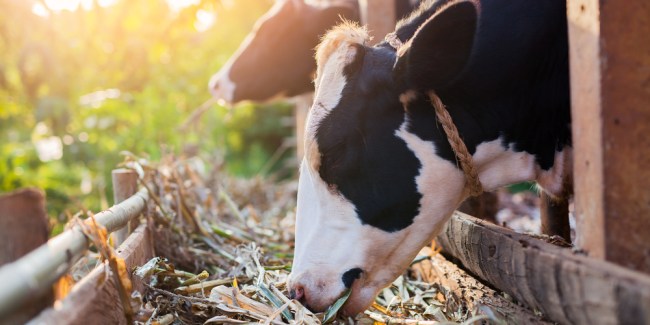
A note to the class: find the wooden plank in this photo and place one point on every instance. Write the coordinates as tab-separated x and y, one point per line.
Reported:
302	105
23	223
24	226
380	16
125	185
567	287
96	297
610	91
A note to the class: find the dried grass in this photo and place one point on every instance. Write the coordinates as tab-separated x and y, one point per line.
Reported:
226	246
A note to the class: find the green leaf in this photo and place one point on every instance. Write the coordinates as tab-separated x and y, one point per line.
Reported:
331	312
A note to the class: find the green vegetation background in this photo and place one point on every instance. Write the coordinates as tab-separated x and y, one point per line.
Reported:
159	63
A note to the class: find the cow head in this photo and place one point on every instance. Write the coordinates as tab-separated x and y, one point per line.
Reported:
371	192
276	58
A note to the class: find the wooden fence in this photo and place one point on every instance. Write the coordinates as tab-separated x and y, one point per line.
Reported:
33	275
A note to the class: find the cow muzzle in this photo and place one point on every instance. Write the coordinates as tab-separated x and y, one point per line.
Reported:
318	290
222	88
315	290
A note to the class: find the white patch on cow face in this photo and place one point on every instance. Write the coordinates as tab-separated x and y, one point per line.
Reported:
329	86
327	226
329	82
327	234
220	85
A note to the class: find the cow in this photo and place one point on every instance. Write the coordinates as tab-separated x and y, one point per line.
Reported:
380	178
276	57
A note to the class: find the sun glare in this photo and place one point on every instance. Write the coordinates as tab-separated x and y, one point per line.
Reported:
39	9
43	9
178	5
106	3
60	5
204	20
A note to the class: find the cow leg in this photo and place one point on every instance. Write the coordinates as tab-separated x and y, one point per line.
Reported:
484	206
554	213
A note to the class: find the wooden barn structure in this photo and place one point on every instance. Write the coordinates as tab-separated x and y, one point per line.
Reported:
604	279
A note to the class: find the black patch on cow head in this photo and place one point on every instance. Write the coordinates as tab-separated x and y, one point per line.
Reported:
350	275
361	157
279	58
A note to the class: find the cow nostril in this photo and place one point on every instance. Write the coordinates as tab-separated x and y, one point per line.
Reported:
350	275
298	293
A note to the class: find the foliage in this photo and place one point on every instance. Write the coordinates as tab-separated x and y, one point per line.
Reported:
117	75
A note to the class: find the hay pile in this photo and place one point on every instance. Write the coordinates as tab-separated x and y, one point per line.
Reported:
225	250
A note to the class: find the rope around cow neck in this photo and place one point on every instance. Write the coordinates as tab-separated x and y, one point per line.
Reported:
457	145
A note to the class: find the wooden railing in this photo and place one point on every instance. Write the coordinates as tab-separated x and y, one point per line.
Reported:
34	274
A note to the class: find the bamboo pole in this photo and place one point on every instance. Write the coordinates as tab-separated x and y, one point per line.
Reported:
125	184
30	276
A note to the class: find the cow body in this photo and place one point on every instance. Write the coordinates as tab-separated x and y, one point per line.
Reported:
276	58
379	178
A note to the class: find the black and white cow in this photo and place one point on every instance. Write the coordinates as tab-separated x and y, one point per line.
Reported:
380	179
277	57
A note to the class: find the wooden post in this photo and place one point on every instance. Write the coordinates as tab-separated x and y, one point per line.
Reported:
24	226
302	105
125	184
380	16
554	215
610	94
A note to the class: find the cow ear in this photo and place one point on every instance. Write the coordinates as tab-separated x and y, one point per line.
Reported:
440	48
